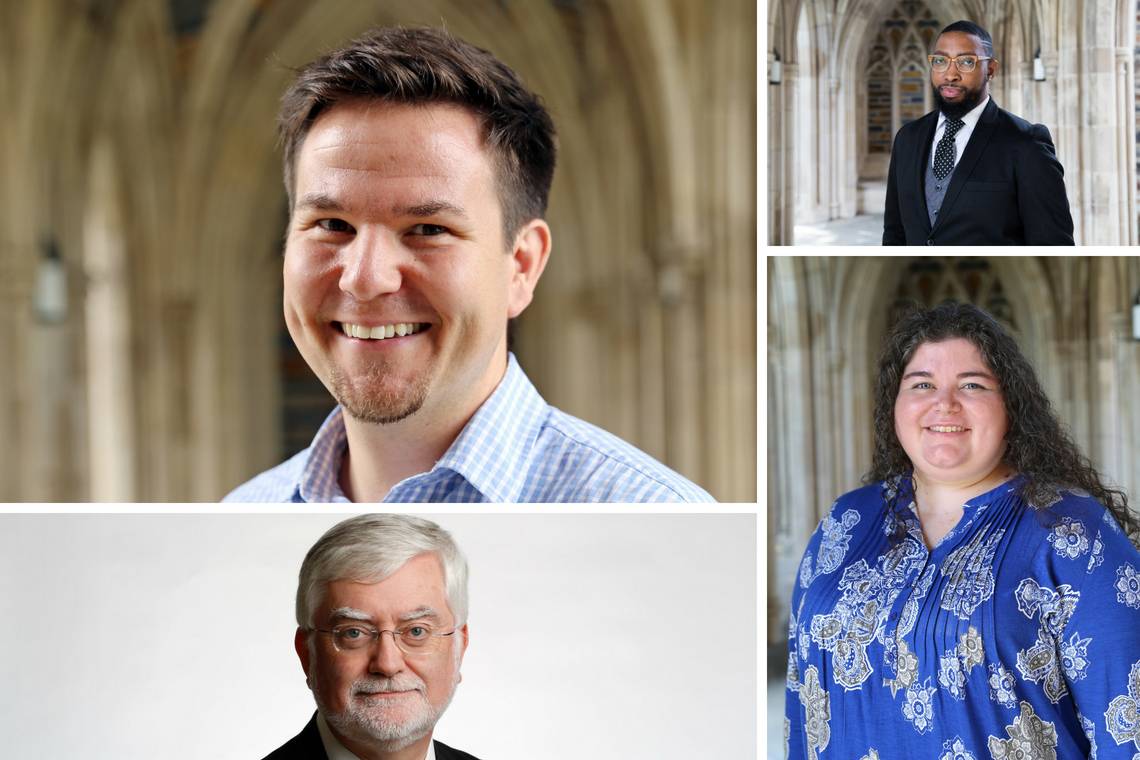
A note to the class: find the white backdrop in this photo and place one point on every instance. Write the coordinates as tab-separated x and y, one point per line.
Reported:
170	637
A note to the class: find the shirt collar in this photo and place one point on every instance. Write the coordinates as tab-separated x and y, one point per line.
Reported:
970	119
490	452
337	751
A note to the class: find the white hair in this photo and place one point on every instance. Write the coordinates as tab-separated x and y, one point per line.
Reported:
368	549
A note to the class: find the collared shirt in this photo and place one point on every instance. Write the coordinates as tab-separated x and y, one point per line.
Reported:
515	448
969	121
1017	635
337	751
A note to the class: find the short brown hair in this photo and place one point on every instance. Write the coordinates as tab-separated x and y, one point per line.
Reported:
426	65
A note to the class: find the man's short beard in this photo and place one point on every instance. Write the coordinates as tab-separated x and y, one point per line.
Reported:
374	728
957	110
367	398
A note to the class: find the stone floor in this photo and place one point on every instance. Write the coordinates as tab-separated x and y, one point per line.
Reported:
864	229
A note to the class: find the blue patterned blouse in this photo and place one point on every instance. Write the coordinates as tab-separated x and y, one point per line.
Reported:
1017	636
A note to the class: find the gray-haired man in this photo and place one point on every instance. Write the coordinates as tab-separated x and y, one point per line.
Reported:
381	632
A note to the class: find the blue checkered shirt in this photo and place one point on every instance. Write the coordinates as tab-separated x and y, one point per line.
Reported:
515	448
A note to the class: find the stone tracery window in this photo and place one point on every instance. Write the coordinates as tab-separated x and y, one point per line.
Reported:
929	281
898	51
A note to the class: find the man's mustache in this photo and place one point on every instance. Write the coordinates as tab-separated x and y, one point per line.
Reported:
381	685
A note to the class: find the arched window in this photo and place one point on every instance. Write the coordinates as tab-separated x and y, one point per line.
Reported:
928	281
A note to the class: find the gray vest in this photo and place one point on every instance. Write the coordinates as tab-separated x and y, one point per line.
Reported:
935	190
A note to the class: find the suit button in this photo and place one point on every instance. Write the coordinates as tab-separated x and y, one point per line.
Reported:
930	241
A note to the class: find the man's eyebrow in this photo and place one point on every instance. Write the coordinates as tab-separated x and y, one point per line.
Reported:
319	202
349	613
431	208
418	614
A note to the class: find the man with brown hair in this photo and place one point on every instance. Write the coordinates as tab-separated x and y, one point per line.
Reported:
418	169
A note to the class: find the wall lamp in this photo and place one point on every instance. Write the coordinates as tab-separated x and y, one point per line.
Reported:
1038	67
49	298
775	69
1136	317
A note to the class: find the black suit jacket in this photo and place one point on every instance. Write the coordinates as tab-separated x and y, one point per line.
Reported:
307	746
1007	189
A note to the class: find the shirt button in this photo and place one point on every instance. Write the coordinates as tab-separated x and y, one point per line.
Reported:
937	187
930	241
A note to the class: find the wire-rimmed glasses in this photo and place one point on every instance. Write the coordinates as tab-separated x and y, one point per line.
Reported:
964	63
414	639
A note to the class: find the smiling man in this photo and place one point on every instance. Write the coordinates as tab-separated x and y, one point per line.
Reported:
418	169
381	632
970	173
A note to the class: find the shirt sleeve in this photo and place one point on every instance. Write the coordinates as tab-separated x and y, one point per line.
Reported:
1099	647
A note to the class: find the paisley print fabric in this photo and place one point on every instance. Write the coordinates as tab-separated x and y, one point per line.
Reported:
1017	636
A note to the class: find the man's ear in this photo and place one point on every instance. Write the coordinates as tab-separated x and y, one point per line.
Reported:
301	644
462	650
529	254
993	67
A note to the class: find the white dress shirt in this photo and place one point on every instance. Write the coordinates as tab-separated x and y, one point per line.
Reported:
337	751
969	121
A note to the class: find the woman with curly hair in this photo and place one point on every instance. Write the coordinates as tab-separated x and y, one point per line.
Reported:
980	596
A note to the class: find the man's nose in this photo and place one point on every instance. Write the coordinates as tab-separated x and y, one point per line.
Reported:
387	659
372	267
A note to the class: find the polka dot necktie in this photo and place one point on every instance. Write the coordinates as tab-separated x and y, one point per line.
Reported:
944	153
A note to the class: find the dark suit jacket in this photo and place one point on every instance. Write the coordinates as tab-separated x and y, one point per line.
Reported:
1007	189
307	746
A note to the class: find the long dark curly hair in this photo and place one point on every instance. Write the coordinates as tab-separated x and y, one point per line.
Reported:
1037	446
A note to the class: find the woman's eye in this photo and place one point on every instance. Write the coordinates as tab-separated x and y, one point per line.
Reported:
429	230
973	386
334	225
922	386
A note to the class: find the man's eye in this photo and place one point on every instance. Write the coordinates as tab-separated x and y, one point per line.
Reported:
334	225
939	60
429	230
352	633
416	632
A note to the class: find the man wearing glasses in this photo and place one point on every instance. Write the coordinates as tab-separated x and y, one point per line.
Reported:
971	173
381	632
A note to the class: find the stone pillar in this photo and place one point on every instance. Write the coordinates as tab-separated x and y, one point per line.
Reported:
835	152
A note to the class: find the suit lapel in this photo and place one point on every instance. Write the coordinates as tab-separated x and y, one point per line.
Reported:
983	131
921	157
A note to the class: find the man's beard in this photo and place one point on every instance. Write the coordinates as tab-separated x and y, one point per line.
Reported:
970	100
368	397
375	726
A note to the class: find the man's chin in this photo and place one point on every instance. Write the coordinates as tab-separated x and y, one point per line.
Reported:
957	109
372	400
382	732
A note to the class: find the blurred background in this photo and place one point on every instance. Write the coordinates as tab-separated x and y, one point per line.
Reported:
141	216
1077	319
